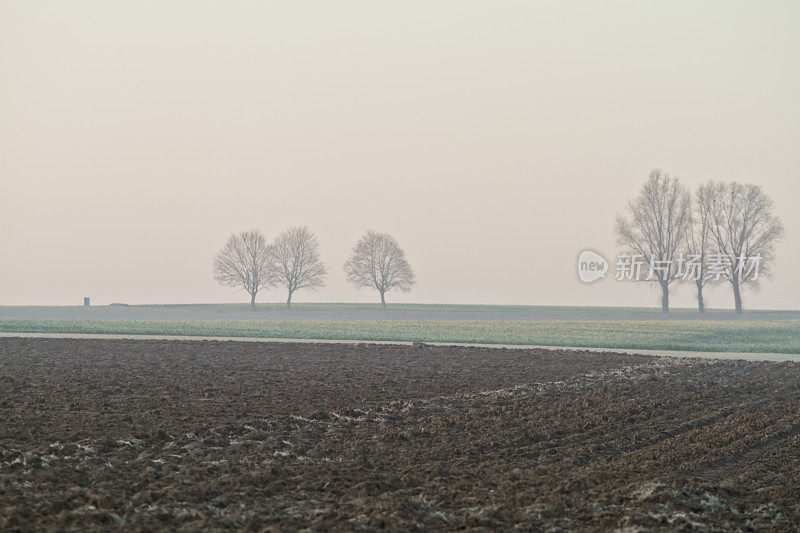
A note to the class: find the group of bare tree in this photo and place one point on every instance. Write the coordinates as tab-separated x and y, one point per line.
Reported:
731	222
292	261
663	225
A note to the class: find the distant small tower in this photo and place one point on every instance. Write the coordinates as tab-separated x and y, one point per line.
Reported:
86	302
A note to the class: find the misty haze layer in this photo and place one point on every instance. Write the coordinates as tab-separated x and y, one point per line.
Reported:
495	141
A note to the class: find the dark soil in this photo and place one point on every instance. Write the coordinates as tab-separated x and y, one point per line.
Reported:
97	434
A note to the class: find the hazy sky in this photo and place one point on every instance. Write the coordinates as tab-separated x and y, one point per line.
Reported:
495	140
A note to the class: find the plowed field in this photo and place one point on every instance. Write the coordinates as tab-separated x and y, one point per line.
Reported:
214	435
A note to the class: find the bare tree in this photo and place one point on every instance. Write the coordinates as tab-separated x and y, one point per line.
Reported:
378	262
699	242
244	262
295	262
745	229
656	228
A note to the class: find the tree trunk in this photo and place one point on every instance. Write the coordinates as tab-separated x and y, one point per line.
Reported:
289	302
383	301
701	306
253	300
664	297
737	297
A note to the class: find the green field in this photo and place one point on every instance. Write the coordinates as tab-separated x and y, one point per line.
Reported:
777	336
346	312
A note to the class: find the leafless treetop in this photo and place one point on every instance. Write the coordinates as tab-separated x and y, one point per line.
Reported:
659	221
699	241
244	262
744	226
379	262
295	260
